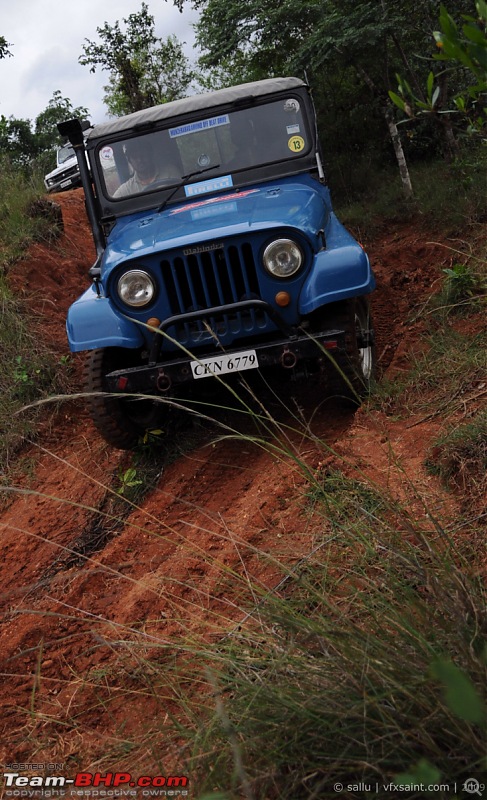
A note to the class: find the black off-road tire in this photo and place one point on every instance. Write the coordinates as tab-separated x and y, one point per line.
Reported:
121	422
351	372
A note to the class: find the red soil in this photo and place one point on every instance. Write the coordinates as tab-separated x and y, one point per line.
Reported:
75	637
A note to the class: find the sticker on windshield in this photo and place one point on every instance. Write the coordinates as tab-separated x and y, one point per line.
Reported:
201	125
106	153
212	185
291	104
293	129
204	160
296	144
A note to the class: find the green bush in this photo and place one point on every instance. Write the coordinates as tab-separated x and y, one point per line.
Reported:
18	227
459	456
448	197
28	369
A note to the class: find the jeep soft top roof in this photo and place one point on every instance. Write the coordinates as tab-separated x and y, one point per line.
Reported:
197	102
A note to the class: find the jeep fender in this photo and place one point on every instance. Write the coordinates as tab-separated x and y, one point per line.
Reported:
93	323
337	274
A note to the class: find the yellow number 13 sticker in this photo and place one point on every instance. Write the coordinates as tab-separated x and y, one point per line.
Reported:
296	144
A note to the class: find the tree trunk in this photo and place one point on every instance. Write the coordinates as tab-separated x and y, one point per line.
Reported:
130	86
450	144
399	152
394	134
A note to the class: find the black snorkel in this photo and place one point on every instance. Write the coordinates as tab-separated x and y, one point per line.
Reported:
72	129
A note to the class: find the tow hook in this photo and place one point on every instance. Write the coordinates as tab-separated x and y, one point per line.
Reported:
163	381
366	339
288	359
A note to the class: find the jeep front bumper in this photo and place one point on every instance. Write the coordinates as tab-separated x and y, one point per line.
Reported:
160	377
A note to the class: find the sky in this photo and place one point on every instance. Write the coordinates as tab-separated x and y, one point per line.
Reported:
47	37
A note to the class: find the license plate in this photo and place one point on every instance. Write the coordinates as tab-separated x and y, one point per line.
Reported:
65	183
222	365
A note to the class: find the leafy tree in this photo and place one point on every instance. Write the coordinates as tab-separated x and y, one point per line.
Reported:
4	45
463	51
18	141
26	143
357	43
230	71
144	69
58	109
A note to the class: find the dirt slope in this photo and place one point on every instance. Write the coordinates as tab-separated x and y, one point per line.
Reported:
177	568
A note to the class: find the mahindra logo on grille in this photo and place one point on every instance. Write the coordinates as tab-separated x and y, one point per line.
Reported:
202	248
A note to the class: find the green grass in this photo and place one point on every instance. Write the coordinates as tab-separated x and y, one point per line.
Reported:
19	224
369	664
444	376
464	290
446	383
459	455
447	197
28	369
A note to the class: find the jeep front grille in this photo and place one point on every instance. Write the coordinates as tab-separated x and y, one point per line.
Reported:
212	278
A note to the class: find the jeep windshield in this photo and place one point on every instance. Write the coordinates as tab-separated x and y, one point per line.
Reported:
221	145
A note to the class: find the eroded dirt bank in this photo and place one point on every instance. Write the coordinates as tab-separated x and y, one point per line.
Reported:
221	517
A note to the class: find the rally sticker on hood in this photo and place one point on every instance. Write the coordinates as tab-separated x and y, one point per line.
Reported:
213	211
223	198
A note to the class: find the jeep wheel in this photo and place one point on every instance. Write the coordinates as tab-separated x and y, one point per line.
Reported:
351	372
121	422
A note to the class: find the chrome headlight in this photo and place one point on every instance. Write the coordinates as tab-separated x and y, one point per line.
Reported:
282	258
136	288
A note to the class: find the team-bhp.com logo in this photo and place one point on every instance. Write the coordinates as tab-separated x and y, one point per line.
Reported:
15	783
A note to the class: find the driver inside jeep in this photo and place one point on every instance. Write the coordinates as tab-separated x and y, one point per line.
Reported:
147	172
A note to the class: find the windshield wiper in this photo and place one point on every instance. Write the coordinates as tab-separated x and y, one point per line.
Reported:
184	180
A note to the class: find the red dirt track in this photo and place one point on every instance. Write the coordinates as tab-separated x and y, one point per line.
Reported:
176	569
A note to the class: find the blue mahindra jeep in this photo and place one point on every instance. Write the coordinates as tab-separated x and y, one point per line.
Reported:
218	252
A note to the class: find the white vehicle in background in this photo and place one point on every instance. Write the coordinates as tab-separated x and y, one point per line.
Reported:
66	175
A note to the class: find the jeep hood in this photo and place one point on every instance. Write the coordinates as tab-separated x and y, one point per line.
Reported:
288	203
